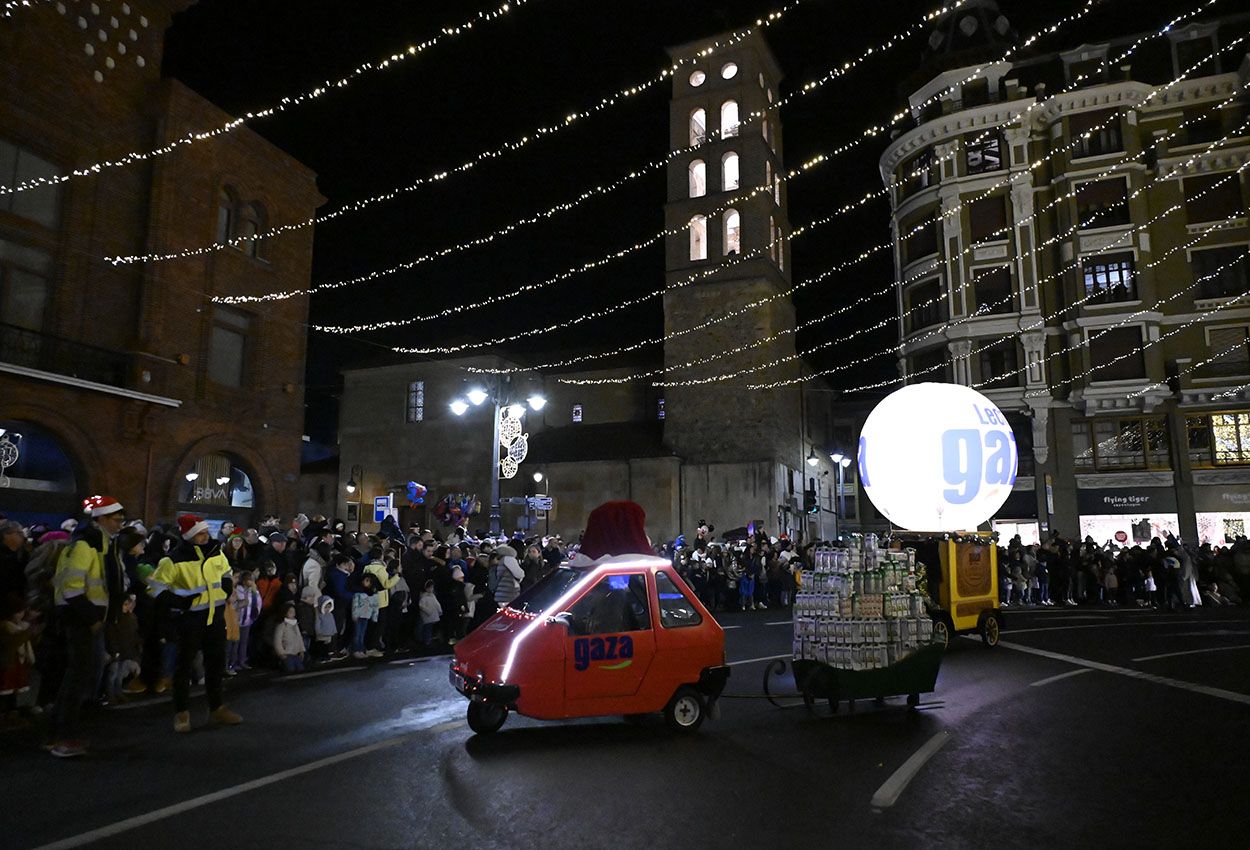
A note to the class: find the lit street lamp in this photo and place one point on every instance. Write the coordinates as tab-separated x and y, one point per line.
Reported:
351	487
477	397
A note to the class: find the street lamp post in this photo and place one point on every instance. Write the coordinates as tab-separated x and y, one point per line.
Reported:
477	397
540	479
841	461
352	486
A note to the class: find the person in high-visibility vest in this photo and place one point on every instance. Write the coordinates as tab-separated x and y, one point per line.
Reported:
194	579
88	569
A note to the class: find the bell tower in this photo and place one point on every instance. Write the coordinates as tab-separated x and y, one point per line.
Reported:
727	249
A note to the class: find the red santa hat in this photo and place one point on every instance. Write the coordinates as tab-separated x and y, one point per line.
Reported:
98	506
190	525
616	528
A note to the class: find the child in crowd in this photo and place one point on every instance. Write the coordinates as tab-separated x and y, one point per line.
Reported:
288	643
1148	581
364	611
125	648
325	629
231	617
16	657
246	602
431	613
306	614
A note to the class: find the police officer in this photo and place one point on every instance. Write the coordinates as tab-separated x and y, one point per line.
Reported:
86	571
194	579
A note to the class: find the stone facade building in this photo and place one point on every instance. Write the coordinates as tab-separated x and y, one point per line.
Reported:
1071	238
128	379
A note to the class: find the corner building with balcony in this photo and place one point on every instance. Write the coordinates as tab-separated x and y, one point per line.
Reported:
1071	239
129	379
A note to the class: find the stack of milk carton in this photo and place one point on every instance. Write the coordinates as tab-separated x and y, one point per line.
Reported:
859	608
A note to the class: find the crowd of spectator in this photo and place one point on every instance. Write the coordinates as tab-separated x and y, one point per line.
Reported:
306	594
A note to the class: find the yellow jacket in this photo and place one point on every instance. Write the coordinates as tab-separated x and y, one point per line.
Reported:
195	572
382	582
80	572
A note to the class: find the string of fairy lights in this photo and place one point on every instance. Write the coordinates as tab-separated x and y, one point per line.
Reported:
954	210
528	138
286	103
11	6
1088	340
985	308
1202	233
600	190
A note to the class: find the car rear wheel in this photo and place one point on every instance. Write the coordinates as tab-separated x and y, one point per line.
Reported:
485	717
686	710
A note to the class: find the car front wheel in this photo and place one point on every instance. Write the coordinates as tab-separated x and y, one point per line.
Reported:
485	717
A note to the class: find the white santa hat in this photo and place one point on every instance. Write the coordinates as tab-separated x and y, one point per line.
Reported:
98	506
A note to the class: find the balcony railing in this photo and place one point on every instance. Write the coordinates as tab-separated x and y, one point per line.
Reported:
34	350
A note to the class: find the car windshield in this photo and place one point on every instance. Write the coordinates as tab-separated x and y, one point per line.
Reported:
540	597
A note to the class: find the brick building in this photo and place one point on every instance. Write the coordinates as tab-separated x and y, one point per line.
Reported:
128	379
1071	238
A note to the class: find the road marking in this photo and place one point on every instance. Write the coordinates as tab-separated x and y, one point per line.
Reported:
727	628
450	724
1191	652
753	660
780	623
1218	693
217	796
887	795
1060	677
297	676
1173	622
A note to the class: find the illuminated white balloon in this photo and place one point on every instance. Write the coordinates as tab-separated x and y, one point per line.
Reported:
937	457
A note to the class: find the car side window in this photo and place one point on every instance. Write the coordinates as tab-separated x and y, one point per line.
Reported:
615	604
676	609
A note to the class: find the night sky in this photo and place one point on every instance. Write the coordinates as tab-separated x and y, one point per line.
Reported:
504	79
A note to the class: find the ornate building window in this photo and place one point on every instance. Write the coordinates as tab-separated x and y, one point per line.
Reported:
415	411
1095	133
1102	203
984	155
1227	271
225	215
1115	354
228	347
992	291
1205	201
987	218
1109	278
25	287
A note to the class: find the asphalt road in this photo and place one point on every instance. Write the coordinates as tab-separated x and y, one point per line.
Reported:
1086	728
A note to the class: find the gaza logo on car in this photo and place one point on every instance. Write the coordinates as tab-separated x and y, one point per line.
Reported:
616	648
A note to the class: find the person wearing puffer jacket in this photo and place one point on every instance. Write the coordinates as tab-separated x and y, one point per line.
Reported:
506	576
288	643
383	581
314	568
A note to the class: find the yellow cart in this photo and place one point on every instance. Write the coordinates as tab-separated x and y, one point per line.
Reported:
968	590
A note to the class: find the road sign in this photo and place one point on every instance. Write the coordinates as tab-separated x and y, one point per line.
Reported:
514	500
381	507
540	503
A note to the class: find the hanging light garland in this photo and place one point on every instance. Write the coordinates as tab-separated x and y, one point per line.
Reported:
485	155
409	52
1130	232
447	350
559	208
11	6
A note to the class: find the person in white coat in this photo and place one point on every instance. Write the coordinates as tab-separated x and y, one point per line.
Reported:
506	575
431	613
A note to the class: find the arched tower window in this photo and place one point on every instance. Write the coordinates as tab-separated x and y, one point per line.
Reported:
698	126
733	232
729	119
251	225
698	178
698	237
730	178
225	215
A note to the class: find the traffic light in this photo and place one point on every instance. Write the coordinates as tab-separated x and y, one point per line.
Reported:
810	505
